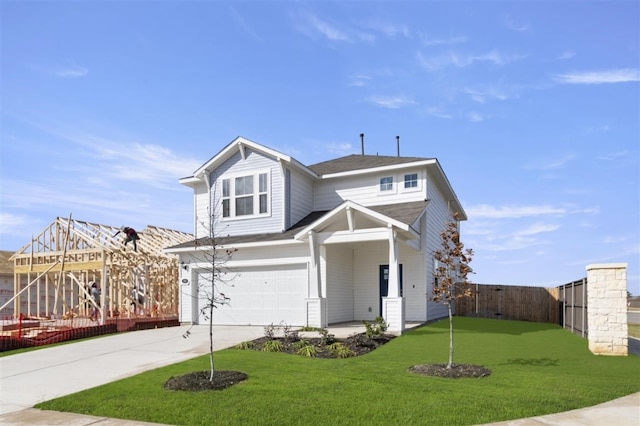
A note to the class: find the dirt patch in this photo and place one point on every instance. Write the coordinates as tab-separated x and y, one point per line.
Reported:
202	381
455	372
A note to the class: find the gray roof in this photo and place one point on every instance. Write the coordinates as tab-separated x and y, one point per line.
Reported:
360	162
406	213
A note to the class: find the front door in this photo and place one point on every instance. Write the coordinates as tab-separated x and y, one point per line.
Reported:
384	283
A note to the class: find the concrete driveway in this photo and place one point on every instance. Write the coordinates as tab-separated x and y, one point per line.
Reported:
36	376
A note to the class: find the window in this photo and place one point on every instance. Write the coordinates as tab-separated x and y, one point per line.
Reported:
411	181
241	196
226	198
386	183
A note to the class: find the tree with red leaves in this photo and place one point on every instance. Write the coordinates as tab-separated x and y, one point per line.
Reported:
450	273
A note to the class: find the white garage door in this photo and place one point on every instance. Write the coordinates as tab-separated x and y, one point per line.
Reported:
262	296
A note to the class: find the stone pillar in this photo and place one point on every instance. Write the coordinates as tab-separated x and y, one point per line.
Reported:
607	308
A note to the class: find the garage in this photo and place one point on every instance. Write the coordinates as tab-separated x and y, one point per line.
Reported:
262	296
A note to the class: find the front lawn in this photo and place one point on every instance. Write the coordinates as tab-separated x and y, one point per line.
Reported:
536	369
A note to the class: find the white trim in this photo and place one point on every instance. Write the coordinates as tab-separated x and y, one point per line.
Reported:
359	235
419	182
394	186
386	220
379	169
231	177
259	263
239	143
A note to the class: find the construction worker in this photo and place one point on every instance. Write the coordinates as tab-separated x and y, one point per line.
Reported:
131	234
95	295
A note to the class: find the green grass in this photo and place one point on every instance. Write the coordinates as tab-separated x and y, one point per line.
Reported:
536	369
634	330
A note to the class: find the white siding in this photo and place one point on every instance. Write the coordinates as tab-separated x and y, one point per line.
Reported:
413	284
301	201
365	190
340	283
437	217
236	166
201	210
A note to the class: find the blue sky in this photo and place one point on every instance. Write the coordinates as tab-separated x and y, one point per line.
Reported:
532	108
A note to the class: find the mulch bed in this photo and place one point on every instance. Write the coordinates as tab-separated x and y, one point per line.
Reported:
201	381
455	372
358	344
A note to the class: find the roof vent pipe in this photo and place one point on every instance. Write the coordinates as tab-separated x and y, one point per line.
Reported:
362	142
398	145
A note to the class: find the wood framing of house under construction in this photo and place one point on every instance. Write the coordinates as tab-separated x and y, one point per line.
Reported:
52	273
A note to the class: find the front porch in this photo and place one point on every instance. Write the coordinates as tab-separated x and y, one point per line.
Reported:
346	329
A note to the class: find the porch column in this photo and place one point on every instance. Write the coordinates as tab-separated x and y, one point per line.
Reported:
394	282
314	269
393	310
316	304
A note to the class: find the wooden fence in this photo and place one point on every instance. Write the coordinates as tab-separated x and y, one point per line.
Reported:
520	303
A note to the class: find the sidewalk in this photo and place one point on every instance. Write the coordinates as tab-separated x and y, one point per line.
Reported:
32	377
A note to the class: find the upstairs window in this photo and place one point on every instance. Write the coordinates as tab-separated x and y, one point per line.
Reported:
411	181
386	184
245	196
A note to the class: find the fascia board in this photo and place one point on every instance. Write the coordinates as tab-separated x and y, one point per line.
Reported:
233	246
190	181
350	204
378	169
442	179
304	168
230	149
301	235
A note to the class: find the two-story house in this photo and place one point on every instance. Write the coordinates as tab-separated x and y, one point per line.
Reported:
343	240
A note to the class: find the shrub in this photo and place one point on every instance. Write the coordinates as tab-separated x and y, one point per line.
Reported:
269	331
376	329
307	350
325	337
245	345
289	335
272	346
339	350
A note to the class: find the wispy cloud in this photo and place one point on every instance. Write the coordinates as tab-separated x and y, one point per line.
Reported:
614	156
463	60
11	223
494	236
623	75
476	117
340	148
315	27
514	212
243	24
438	112
537	228
70	72
386	28
550	163
439	41
359	80
514	25
391	102
567	54
481	96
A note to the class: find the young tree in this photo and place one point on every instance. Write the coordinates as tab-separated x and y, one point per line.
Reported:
217	274
451	272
